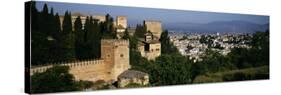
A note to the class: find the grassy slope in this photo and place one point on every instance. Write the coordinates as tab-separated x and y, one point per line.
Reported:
235	75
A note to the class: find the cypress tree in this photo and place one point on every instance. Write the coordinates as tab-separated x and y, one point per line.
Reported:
97	39
91	38
140	31
86	46
67	24
166	46
57	26
68	38
45	10
79	39
56	34
51	23
108	28
126	34
78	24
44	19
86	28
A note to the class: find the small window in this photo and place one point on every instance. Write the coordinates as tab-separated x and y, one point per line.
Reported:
108	55
157	49
121	55
146	47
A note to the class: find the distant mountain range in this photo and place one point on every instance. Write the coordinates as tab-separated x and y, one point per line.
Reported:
218	26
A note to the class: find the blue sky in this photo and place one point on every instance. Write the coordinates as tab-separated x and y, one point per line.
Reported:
137	15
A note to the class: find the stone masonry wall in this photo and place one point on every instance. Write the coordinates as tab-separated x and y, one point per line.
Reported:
91	70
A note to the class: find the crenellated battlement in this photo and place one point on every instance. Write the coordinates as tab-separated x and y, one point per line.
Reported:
115	42
73	64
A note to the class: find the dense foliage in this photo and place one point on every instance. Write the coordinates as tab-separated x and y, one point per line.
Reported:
140	30
56	79
166	46
53	41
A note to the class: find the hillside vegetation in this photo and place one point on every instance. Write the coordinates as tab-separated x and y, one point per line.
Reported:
235	75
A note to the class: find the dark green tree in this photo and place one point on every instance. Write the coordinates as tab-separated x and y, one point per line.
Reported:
92	38
57	27
140	30
68	38
51	23
166	46
40	32
79	39
96	37
55	79
260	45
56	45
107	28
67	24
126	34
37	38
45	20
78	25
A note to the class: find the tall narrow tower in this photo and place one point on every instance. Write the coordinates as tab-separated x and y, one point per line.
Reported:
121	20
115	53
121	26
154	27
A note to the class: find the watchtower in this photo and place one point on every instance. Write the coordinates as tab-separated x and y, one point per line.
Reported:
115	53
154	27
121	20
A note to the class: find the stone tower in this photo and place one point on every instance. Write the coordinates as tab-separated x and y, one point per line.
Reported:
115	53
121	26
121	20
154	27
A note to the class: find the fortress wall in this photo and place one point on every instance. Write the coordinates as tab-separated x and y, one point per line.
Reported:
91	70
